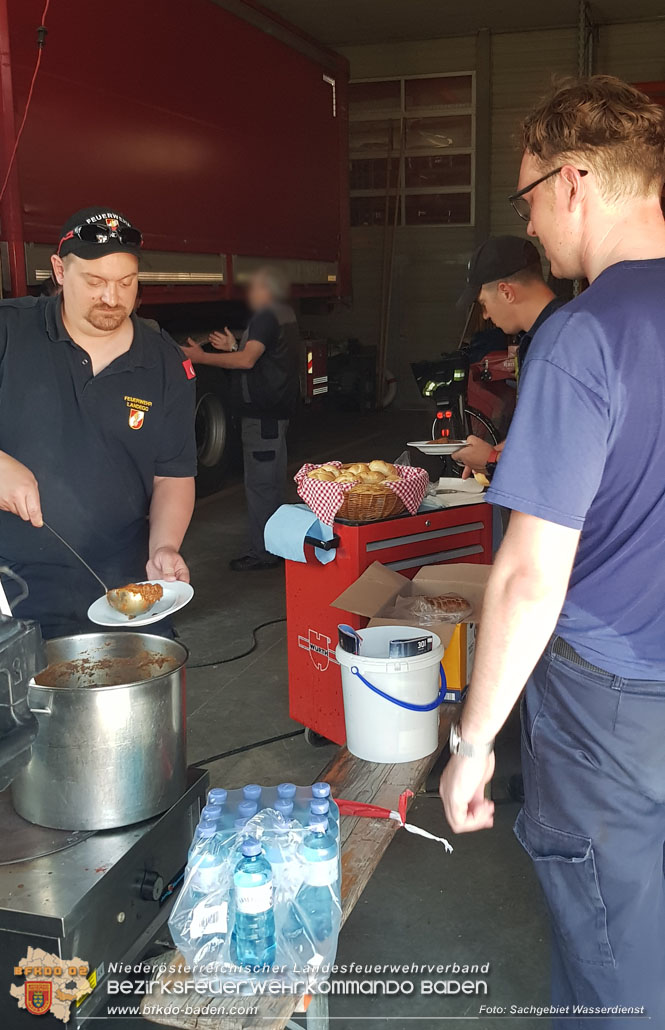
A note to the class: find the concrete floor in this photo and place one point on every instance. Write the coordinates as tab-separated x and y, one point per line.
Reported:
480	904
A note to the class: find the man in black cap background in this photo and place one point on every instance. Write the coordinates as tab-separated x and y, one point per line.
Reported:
96	430
505	277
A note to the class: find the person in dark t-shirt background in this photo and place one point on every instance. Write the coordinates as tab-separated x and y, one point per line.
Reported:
265	390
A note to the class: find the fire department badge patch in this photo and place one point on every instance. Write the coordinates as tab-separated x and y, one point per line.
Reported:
136	418
38	996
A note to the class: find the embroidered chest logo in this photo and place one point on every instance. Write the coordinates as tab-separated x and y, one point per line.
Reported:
138	409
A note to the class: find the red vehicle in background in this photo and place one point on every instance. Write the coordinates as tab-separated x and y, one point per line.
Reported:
470	396
220	130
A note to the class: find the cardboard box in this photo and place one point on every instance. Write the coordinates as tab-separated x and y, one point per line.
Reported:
374	594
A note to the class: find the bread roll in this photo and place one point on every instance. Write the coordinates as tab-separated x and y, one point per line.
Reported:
392	479
384	467
322	475
346	477
371	477
329	468
358	466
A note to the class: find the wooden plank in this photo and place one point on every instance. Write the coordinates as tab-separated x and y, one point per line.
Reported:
363	844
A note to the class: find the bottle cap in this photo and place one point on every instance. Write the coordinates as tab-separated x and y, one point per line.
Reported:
210	812
251	846
246	809
318	822
319	807
286	790
283	806
321	790
217	796
208	821
206	832
252	791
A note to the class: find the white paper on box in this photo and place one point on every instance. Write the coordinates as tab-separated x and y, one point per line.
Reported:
470	649
254	900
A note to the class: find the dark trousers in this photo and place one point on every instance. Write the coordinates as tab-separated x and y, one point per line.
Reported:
264	456
593	758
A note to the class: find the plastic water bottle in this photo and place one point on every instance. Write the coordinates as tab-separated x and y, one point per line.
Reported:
321	792
322	808
252	792
206	872
287	791
278	847
254	930
246	809
196	840
211	813
285	808
316	899
209	822
207	863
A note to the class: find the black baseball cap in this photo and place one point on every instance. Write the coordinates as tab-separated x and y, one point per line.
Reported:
111	239
497	258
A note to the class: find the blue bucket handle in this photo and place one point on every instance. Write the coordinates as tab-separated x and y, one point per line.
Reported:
406	704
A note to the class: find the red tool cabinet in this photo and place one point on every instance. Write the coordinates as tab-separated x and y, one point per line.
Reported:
404	544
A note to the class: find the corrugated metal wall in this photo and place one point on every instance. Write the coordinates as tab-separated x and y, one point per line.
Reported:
633	52
523	64
430	263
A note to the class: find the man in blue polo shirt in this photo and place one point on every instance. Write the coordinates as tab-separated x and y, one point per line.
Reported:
575	604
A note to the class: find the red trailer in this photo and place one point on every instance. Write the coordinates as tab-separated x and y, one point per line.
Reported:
216	127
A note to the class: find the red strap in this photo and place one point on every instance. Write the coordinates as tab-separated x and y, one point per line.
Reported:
189	368
493	456
404	799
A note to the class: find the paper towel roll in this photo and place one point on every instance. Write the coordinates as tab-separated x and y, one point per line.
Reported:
285	533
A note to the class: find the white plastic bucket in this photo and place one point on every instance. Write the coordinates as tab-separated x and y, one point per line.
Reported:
403	725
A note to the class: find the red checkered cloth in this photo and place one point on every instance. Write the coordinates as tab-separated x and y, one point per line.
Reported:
325	499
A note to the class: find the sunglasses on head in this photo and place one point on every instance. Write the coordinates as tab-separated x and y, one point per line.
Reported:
518	200
100	232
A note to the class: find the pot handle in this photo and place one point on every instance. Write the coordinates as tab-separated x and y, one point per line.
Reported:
42	711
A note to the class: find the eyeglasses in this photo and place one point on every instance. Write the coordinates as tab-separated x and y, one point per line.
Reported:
521	206
102	232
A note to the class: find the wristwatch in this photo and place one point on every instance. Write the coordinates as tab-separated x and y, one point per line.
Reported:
459	746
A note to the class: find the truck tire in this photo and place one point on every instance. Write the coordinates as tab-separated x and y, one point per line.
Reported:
215	431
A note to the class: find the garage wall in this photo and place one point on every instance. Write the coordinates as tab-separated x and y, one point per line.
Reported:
633	52
523	65
430	262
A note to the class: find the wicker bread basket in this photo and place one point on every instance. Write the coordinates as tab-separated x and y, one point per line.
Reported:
362	505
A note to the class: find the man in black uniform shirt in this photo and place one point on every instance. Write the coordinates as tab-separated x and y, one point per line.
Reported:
505	277
266	387
96	430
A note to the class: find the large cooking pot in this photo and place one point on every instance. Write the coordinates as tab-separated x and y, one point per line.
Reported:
110	749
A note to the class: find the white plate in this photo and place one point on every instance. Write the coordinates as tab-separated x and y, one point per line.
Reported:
437	446
176	596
